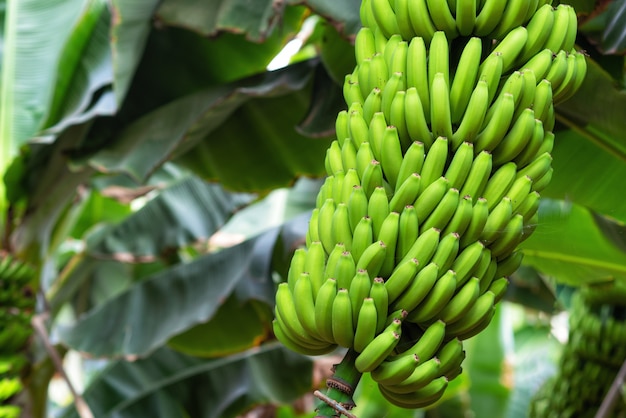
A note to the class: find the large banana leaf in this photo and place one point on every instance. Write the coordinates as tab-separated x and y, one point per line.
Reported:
143	318
170	384
588	174
569	245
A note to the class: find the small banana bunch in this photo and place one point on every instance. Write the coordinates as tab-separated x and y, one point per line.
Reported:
432	183
591	359
16	307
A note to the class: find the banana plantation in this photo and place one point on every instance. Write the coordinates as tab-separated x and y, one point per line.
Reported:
313	208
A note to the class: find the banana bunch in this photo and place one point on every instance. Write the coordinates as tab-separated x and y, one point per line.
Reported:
433	181
16	307
590	360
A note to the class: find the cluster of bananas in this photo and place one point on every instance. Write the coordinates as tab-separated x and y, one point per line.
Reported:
590	361
16	307
433	182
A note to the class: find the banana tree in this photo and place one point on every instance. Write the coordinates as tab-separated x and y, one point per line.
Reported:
158	179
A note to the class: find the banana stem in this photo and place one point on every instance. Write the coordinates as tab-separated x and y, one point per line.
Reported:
341	385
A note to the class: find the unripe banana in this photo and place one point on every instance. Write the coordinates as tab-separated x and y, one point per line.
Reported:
377	350
498	125
440	117
466	76
476	319
539	28
509	265
408	231
315	265
286	310
488	17
478	176
417	69
466	16
480	213
562	91
363	237
430	197
333	161
372	258
341	226
323	309
352	91
474	115
468	259
406	193
400	278
358	291
512	44
389	235
434	162
423	374
543	181
421	21
397	63
561	27
539	64
365	330
519	191
391	155
510	237
345	270
447	251
397	118
389	48
528	154
365	14
423	397
460	165
372	178
442	18
518	137
378	73
401	8
499	184
372	104
378	292
529	206
333	260
436	300
424	247
428	343
461	218
377	128
496	221
393	85
461	302
417	289
296	267
451	355
305	305
378	209
514	15
293	345
498	288
416	123
342	325
324	222
357	125
527	92
391	372
385	17
364	45
443	212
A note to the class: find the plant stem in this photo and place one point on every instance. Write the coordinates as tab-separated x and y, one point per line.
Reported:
341	385
612	396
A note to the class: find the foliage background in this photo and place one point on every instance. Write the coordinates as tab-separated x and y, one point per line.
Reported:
159	176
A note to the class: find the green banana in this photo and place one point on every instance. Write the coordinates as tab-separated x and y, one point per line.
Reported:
378	292
342	325
461	302
417	289
408	231
423	374
391	372
377	350
447	251
465	77
400	278
365	330
436	300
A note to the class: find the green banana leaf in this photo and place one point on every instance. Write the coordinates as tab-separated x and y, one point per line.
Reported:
597	111
162	305
587	174
197	120
343	14
569	246
170	384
